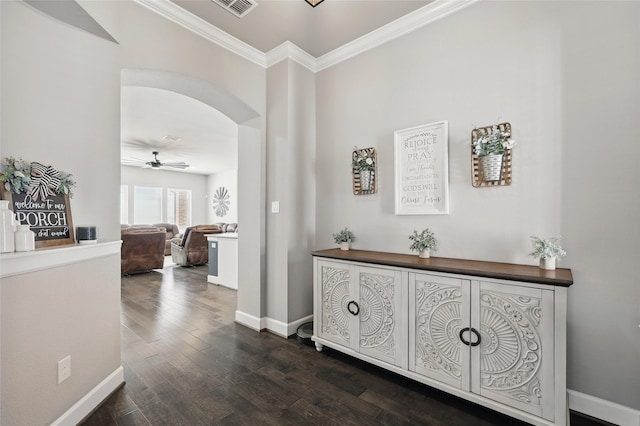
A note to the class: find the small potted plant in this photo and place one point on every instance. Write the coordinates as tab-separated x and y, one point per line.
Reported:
424	243
490	148
344	238
547	250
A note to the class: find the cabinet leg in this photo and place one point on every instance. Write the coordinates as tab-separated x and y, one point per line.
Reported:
319	347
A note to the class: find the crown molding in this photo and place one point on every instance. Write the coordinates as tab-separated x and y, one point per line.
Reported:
435	10
417	19
288	50
199	26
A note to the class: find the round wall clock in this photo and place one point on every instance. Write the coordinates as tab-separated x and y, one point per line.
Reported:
221	201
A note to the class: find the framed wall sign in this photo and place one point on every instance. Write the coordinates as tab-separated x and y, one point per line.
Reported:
422	169
48	218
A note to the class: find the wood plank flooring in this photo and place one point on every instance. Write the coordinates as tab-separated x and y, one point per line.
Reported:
187	363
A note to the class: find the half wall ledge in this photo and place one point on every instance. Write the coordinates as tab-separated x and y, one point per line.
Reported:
19	263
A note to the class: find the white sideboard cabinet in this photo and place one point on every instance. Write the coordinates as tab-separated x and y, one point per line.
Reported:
492	333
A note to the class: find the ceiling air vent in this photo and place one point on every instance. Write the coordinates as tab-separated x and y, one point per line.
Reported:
237	7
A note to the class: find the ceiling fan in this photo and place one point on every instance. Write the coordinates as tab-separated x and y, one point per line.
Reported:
157	164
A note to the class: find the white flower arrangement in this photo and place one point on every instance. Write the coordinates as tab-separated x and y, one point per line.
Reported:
546	248
493	143
363	160
424	240
344	236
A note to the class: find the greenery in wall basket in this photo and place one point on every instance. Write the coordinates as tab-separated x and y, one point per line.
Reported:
546	248
363	161
344	236
34	178
424	240
494	142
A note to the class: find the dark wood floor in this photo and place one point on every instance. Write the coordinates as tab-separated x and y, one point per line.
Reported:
187	363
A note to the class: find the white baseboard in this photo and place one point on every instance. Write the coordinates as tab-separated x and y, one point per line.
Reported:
283	329
292	327
603	409
91	400
276	327
250	321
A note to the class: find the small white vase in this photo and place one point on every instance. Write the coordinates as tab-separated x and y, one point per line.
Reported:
548	263
344	245
7	227
24	238
424	253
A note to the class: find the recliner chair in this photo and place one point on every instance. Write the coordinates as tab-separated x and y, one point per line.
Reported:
142	249
193	249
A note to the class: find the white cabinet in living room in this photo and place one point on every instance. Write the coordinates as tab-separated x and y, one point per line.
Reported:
493	339
362	308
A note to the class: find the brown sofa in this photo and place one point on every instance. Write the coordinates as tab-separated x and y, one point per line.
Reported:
172	232
193	249
171	229
142	249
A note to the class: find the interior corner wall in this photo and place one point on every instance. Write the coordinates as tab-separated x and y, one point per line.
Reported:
291	183
228	180
302	192
278	158
564	74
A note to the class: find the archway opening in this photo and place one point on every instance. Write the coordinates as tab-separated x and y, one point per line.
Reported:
250	178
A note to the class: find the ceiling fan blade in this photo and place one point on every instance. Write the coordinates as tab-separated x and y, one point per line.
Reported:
180	166
176	165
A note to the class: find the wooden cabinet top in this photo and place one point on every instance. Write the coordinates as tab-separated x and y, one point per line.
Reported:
506	271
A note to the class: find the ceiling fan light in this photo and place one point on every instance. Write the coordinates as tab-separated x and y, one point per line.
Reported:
314	3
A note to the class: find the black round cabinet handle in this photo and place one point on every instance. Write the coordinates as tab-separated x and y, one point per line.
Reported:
466	342
474	331
353	312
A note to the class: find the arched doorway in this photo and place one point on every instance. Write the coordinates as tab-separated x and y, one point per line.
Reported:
251	178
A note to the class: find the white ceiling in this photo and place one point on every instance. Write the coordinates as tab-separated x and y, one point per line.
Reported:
317	31
151	120
208	139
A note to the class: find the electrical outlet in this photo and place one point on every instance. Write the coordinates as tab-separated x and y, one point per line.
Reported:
64	369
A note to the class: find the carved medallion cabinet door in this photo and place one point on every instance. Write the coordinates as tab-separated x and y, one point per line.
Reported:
515	361
334	292
382	316
439	312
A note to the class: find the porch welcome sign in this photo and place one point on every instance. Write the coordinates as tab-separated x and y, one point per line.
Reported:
422	170
39	197
48	218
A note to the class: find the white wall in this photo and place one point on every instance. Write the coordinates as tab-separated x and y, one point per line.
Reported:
228	180
564	74
290	182
166	179
301	186
60	106
71	310
277	178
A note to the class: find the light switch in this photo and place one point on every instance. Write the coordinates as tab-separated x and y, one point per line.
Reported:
275	207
